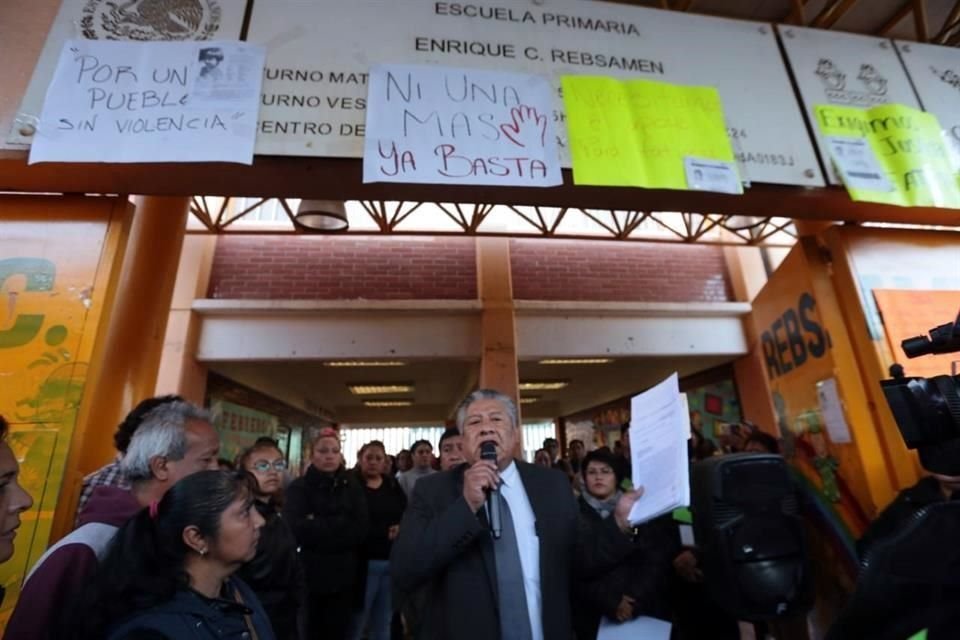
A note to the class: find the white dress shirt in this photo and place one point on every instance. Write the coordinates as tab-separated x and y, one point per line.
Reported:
525	525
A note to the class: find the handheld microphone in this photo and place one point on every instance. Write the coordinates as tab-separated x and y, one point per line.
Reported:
488	451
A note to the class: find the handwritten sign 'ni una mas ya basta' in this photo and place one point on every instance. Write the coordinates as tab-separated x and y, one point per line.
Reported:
113	101
434	124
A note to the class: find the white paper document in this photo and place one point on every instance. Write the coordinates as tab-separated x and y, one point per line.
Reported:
444	125
857	164
659	430
641	628
712	175
832	410
113	101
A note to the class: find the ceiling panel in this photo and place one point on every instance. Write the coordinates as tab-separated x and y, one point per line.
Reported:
441	384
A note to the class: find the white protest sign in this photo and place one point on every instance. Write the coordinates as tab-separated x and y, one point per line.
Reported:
115	101
444	125
141	21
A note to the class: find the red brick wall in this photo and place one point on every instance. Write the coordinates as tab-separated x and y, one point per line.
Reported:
618	271
344	268
379	268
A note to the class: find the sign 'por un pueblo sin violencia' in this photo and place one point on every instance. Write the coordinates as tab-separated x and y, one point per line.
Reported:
151	102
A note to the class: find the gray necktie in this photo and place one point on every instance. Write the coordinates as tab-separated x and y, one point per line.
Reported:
514	619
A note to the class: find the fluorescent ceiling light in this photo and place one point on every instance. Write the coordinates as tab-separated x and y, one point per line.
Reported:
382	404
364	363
529	400
376	388
576	361
543	385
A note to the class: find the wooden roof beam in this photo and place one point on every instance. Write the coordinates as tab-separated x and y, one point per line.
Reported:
952	22
895	19
796	15
832	13
920	20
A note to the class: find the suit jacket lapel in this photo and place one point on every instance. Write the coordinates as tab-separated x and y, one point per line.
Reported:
532	488
535	492
485	542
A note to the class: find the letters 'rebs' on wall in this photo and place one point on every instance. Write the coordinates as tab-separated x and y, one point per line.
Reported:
794	337
319	54
935	72
144	21
847	70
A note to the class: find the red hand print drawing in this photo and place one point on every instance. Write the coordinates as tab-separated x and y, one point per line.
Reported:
527	126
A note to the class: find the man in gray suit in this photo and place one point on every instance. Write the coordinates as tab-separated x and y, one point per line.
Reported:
515	587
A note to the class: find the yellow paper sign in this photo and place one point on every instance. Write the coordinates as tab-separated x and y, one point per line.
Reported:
638	133
891	154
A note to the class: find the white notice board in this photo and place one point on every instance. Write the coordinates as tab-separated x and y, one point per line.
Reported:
844	69
137	21
935	71
319	54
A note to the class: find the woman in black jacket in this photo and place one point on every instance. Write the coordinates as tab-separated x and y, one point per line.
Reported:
275	573
169	571
640	584
327	512
385	504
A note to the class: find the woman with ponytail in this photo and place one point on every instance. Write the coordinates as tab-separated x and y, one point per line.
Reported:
168	571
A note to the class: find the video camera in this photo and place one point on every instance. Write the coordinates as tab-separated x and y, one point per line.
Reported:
927	410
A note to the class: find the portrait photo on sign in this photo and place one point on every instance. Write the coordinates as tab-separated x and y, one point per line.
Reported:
210	59
226	72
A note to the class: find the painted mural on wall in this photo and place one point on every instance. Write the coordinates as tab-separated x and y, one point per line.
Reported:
239	427
47	281
713	408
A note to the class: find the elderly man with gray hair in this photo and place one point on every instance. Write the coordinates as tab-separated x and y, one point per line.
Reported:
511	583
174	440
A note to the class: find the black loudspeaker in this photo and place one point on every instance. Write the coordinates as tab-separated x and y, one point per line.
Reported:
747	524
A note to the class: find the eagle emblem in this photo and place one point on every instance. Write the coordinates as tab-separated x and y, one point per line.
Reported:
148	20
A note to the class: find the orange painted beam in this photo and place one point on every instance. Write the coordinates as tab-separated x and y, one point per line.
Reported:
341	179
498	332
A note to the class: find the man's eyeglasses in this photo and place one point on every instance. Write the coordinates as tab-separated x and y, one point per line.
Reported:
263	466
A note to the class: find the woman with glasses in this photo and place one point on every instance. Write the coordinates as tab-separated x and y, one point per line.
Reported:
274	574
385	504
327	511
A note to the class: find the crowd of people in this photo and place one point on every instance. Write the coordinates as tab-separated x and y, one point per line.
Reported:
170	544
172	541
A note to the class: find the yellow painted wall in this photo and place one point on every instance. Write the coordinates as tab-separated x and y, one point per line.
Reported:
56	259
802	340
